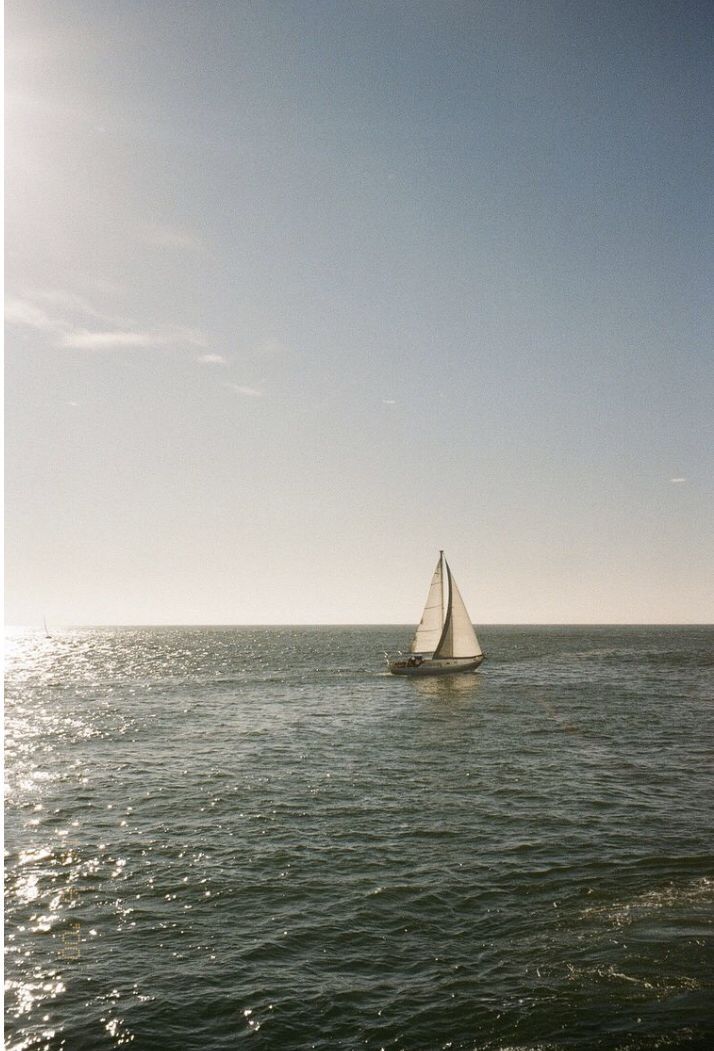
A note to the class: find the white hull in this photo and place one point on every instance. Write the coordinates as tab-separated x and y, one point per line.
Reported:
428	666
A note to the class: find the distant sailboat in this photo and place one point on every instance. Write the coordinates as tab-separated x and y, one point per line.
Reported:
445	641
47	633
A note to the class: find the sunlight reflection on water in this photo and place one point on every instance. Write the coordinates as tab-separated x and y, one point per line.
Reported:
255	831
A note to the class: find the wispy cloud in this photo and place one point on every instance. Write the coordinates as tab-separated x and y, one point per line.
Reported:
84	339
71	322
55	311
25	313
69	304
388	401
677	481
249	392
212	359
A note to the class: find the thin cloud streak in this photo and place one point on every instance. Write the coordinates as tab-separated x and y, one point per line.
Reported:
82	339
249	392
68	303
24	313
67	325
212	359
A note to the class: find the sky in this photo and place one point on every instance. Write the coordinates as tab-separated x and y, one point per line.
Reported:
299	292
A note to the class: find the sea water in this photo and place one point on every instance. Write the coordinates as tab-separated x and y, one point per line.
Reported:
227	837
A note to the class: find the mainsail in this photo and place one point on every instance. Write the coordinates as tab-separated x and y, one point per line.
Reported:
431	624
458	638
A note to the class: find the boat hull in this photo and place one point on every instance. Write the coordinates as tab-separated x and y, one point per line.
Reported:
427	666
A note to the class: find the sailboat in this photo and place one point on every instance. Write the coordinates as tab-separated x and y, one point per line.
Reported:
445	641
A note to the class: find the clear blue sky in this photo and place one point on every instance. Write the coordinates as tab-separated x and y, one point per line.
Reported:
300	292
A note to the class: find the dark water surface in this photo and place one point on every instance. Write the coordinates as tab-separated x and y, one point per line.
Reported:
219	838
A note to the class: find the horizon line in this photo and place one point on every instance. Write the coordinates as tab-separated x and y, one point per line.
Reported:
370	624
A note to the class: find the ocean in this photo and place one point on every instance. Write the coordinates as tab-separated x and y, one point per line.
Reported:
228	837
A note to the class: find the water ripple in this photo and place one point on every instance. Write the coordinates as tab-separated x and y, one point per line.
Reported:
219	835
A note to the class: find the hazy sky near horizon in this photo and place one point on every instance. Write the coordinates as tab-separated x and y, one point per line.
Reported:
300	292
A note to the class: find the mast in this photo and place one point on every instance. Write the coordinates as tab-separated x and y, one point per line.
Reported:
446	612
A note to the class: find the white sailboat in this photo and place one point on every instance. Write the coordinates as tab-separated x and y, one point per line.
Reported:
445	641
